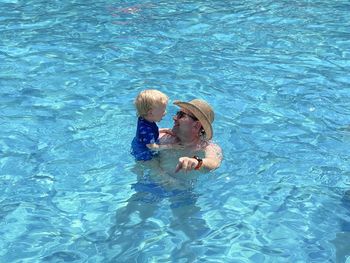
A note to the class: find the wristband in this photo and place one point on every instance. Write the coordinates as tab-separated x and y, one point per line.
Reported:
200	162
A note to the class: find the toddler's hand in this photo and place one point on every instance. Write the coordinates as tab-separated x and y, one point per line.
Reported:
167	131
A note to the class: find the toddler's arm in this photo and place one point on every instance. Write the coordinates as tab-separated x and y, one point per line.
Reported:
160	147
167	131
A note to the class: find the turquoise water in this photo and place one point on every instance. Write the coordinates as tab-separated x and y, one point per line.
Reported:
277	75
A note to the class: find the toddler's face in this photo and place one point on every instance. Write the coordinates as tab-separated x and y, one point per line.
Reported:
158	112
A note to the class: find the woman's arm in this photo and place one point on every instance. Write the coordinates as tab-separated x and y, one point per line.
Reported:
160	147
211	161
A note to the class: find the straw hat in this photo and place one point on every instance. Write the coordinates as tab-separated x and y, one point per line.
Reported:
202	111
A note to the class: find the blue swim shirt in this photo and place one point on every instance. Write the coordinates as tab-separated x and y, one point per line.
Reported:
147	132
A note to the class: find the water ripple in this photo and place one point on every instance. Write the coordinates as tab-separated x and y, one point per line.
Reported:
276	74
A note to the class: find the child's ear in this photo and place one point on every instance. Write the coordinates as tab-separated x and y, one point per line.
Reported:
150	112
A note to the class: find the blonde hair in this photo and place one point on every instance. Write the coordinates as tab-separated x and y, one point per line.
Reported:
148	99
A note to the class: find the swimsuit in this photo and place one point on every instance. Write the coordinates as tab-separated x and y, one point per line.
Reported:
147	133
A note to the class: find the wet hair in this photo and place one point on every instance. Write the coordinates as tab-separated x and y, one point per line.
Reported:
148	99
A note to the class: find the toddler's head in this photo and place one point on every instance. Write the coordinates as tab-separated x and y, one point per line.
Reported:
151	102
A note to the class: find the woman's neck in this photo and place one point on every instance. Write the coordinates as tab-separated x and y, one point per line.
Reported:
189	141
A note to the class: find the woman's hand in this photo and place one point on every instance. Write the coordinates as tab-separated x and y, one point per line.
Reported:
186	164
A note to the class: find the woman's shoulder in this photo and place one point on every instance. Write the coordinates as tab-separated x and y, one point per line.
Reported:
213	149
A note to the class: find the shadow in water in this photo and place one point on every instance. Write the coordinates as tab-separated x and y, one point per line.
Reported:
141	224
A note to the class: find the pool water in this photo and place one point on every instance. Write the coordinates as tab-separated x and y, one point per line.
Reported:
277	75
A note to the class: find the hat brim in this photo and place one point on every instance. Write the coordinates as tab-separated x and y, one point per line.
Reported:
199	115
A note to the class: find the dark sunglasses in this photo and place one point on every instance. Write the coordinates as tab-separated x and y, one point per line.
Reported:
181	114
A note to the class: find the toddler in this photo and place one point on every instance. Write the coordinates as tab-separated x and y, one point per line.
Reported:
150	106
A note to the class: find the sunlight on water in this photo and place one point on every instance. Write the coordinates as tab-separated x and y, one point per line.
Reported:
277	75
